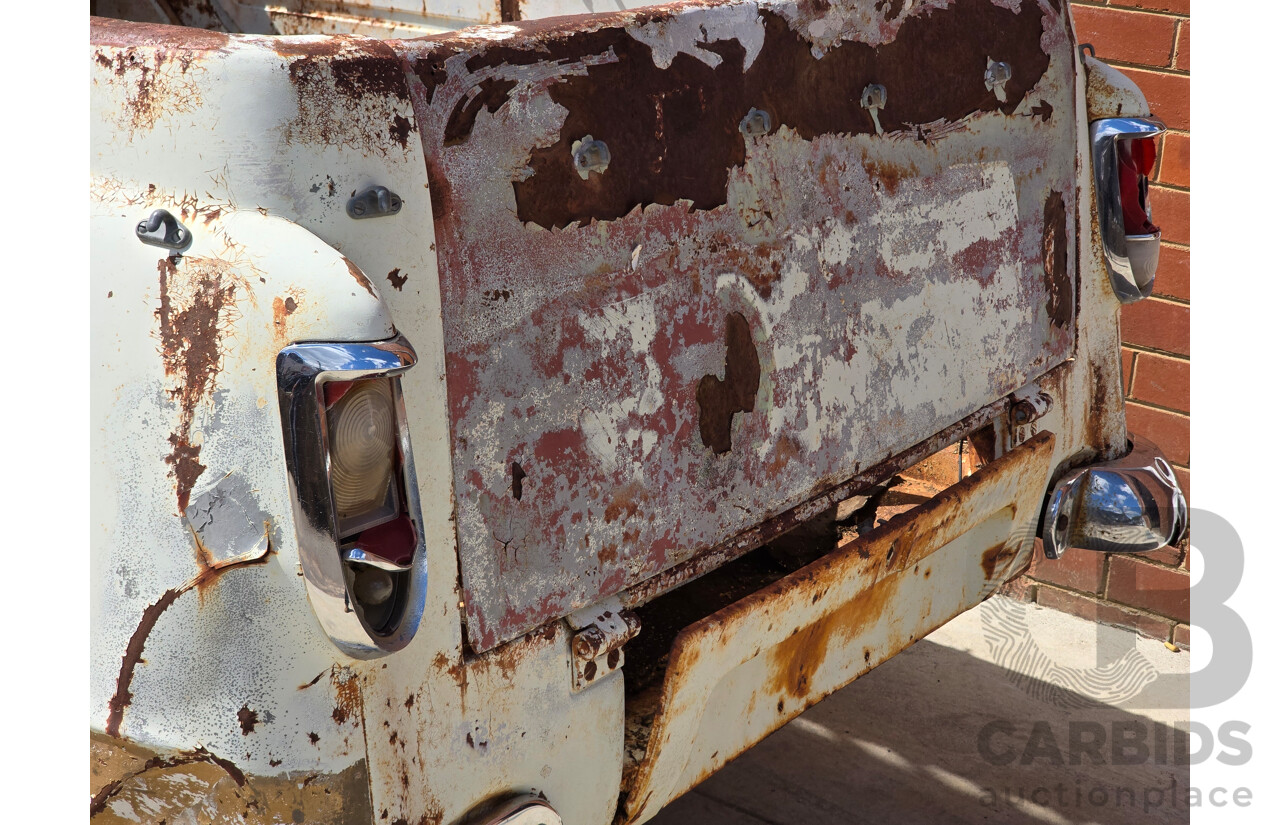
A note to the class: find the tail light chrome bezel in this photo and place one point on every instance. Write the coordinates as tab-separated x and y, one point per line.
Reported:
1131	283
302	370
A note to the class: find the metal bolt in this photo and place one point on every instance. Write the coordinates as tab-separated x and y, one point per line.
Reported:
873	100
998	73
358	207
756	123
590	155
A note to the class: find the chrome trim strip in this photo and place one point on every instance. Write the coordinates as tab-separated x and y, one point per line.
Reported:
1130	505
301	372
1103	135
521	810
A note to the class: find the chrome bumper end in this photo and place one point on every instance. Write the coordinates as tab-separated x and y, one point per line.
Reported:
1130	505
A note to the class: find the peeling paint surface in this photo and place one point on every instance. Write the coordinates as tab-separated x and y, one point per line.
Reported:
888	285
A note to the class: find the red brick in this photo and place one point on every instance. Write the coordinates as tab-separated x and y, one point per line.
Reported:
1089	608
1175	160
1164	381
1163	590
1184	481
1184	47
1168	431
1170	554
1127	36
1173	278
1077	569
1022	588
1182	636
1182	7
1171	211
1126	369
1157	324
1168	94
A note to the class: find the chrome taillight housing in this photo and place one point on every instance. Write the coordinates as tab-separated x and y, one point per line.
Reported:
1124	155
355	499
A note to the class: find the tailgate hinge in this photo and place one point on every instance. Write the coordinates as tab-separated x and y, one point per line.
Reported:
602	630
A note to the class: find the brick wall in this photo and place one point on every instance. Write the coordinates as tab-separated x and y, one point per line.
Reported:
1150	41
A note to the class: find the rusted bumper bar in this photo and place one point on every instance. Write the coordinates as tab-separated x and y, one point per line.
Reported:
747	669
1130	505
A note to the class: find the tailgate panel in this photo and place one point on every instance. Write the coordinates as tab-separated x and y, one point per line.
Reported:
645	362
759	662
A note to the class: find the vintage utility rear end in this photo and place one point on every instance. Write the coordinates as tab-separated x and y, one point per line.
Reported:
454	395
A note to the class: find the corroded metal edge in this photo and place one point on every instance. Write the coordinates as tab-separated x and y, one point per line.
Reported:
129	783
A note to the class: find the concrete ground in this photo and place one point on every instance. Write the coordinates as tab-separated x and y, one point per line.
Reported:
1010	713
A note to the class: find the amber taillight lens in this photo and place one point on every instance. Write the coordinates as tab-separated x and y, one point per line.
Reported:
363	461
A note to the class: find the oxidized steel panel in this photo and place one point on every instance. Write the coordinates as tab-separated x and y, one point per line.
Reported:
646	361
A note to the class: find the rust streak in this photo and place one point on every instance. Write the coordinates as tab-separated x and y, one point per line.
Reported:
133	651
1057	279
360	277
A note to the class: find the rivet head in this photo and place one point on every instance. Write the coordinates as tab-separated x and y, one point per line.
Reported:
756	123
874	96
590	155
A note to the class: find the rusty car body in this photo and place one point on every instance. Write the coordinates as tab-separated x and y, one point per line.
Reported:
627	297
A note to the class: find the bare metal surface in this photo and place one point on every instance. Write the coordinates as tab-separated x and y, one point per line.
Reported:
229	524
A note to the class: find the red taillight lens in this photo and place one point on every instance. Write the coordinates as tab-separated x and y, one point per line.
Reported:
1137	160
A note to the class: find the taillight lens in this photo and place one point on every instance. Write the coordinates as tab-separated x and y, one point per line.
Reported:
1137	159
361	419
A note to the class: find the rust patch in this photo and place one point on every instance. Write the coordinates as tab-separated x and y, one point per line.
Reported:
518	476
719	401
248	720
673	133
1057	280
397	280
489	94
890	8
793	663
133	650
281	309
350	701
350	93
197	303
123	34
996	557
360	277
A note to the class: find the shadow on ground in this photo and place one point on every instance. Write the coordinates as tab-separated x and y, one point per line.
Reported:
906	744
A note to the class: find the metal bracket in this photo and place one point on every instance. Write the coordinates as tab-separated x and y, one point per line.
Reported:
1027	406
164	230
597	646
374	202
